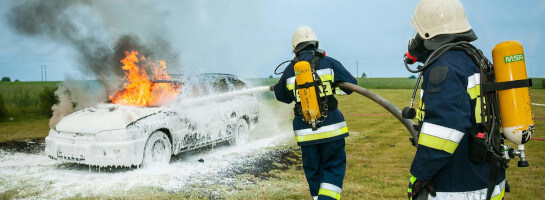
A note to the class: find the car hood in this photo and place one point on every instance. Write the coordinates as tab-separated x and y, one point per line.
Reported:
103	117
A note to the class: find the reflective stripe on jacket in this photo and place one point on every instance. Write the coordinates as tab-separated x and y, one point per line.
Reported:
449	108
331	72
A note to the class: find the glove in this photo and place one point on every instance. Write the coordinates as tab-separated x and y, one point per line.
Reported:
419	190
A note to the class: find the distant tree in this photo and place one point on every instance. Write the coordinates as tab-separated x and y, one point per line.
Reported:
6	79
3	110
364	75
412	77
543	83
270	76
16	80
47	100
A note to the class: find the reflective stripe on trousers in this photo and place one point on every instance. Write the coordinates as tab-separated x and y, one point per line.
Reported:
330	190
499	191
323	132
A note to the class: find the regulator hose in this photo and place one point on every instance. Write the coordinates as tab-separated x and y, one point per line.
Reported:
384	103
278	73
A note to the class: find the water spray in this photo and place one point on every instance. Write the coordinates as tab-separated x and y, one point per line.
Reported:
226	95
344	85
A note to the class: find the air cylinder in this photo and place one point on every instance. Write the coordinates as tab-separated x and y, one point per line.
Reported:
515	106
307	91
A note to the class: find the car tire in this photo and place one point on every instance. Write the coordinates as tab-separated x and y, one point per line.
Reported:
241	132
158	149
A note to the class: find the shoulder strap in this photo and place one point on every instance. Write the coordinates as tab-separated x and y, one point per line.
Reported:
491	112
317	55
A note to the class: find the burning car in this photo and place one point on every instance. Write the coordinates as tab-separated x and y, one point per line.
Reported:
117	134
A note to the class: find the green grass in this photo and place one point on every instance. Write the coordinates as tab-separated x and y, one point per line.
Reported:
23	130
378	152
10	194
386	83
22	102
379	155
538	83
21	98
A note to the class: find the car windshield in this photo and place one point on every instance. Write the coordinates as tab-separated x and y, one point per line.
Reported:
207	84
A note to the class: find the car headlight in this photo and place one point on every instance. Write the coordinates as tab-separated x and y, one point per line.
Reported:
113	135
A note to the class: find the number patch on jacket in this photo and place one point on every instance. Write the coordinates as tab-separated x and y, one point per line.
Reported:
324	91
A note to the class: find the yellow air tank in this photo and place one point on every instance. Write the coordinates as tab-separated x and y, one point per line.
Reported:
516	112
309	100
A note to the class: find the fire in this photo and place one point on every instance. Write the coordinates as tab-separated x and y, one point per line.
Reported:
139	90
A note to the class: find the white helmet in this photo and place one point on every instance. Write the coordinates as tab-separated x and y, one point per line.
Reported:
303	34
436	17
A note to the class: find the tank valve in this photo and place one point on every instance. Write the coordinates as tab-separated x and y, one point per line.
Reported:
520	153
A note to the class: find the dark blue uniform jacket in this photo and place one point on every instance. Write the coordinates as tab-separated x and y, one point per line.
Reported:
287	95
448	110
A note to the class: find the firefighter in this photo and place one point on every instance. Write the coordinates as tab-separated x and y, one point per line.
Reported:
323	145
449	111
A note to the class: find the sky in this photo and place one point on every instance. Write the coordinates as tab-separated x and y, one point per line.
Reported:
250	38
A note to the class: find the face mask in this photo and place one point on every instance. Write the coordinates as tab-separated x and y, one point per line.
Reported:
415	49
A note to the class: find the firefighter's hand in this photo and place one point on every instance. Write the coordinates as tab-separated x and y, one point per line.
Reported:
271	87
419	190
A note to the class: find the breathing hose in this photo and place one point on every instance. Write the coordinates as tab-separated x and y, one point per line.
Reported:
384	103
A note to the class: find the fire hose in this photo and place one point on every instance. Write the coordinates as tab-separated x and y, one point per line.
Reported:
390	107
409	124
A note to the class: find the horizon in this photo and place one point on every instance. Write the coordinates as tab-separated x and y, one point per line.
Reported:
249	38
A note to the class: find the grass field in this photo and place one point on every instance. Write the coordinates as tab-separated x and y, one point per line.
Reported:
21	98
22	102
378	159
379	156
23	130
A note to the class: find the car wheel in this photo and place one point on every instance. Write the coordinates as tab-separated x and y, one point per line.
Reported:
241	132
157	150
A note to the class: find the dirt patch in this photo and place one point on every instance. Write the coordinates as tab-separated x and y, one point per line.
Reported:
262	165
244	171
31	146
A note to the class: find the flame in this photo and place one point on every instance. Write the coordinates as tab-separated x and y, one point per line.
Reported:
139	90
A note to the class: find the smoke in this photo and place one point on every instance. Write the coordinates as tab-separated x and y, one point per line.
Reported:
63	108
99	33
75	95
84	26
71	23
